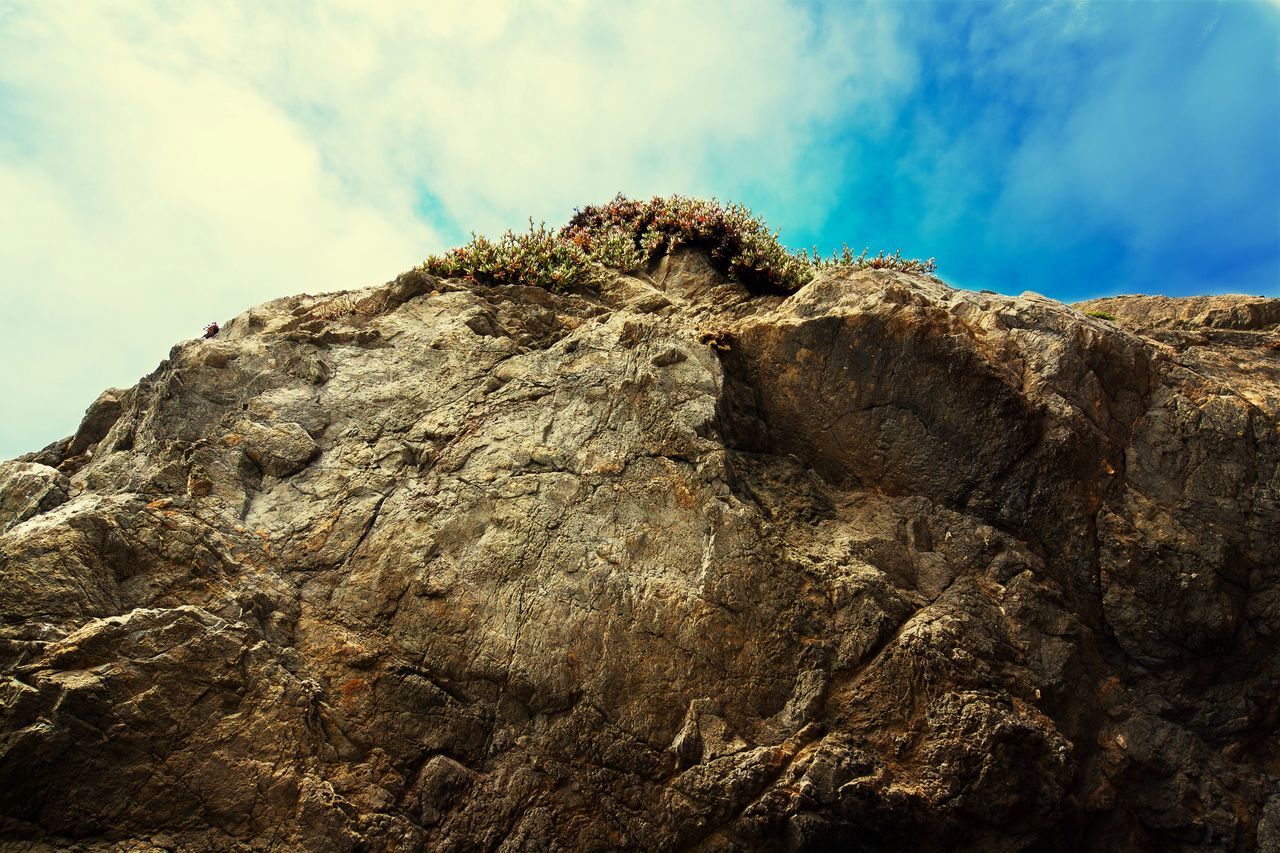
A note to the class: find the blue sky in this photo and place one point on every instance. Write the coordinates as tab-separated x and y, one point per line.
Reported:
163	165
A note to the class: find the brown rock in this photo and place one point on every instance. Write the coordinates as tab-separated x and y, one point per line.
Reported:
881	565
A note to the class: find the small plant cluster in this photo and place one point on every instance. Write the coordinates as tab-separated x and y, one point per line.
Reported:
628	235
738	243
541	258
846	258
1101	315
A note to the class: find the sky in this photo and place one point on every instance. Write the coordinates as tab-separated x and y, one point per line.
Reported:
163	165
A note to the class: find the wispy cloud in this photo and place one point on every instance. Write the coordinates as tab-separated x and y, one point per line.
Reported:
1171	141
1081	149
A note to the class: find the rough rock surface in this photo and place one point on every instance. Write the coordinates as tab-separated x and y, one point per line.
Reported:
881	565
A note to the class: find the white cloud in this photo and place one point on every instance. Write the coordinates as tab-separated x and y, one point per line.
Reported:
504	113
163	165
141	202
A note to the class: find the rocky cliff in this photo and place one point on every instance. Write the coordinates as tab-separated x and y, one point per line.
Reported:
658	565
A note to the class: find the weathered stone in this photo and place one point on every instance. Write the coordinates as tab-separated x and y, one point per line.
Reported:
98	420
28	489
278	449
880	565
1254	313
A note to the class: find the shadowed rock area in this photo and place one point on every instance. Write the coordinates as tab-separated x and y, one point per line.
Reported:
881	565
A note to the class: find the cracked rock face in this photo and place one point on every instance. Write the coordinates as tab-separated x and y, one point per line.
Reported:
879	566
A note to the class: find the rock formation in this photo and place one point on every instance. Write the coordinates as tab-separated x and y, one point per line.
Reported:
880	565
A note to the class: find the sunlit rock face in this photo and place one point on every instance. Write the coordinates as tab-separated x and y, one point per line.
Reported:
881	565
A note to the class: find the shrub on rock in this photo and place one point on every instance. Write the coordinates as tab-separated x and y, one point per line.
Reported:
628	235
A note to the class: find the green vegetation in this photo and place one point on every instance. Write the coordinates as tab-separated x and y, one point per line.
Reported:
541	258
1101	315
628	235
